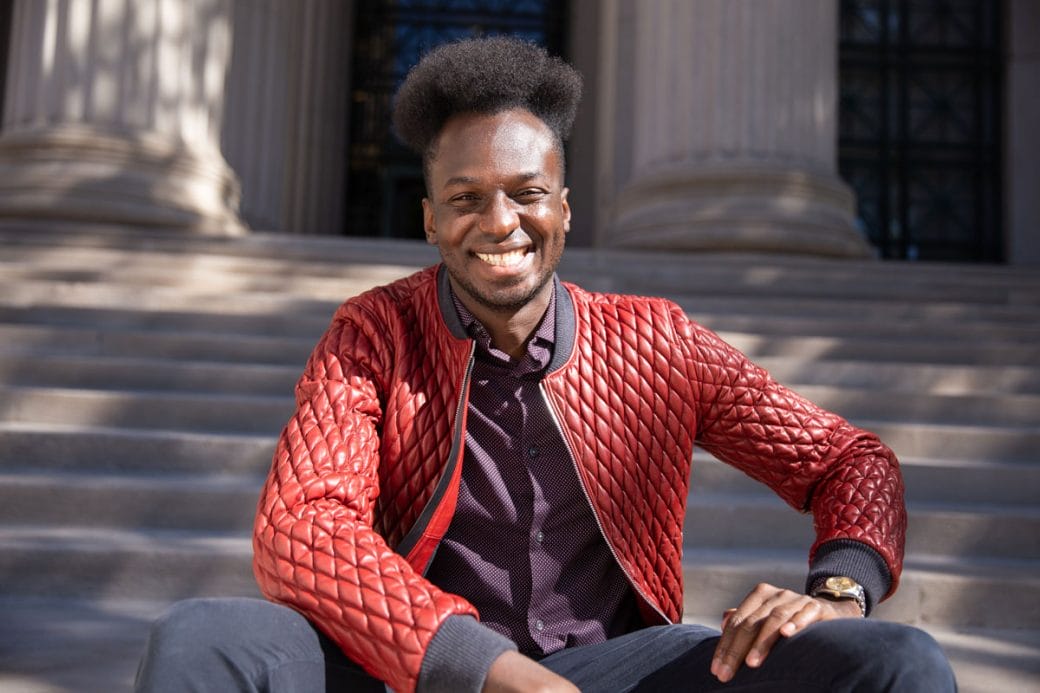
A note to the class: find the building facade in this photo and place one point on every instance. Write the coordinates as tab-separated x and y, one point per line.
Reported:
897	128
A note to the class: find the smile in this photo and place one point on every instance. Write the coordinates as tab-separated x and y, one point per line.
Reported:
510	259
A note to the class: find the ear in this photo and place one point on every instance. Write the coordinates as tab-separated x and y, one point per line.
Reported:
428	223
566	206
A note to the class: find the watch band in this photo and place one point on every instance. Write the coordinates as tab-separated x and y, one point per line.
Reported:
840	587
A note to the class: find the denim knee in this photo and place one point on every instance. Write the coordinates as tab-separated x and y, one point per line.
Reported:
917	662
195	625
231	644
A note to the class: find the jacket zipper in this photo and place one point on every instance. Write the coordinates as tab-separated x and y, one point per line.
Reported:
588	499
457	450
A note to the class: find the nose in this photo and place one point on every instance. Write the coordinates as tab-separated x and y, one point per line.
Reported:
499	218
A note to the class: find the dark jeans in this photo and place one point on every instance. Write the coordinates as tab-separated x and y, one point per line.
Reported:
253	645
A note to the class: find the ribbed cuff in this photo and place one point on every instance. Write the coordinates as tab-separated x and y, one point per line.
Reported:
459	656
852	559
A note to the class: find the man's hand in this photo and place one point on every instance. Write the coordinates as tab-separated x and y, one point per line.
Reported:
767	614
512	672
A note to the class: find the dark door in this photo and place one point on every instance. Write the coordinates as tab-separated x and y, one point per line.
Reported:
384	179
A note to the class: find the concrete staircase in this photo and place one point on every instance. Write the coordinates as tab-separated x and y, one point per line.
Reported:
144	378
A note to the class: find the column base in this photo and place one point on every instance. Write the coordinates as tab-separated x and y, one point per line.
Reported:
738	207
85	174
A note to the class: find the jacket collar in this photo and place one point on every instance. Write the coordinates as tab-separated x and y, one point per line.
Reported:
565	317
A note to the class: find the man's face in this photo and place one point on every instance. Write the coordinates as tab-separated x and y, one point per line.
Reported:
497	209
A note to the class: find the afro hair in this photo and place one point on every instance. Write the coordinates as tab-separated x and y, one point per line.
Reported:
484	75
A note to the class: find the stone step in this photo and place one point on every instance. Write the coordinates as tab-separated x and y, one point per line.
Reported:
204	346
866	310
942	442
972	482
149	489
854	326
63	447
216	502
140	373
299	319
228	272
159	283
795	274
94	646
130	563
985	660
939	379
267	414
164	564
200	346
166	410
284	310
56	447
727	521
722	274
971	409
937	590
206	291
822	348
72	286
214	409
225	502
102	243
101	373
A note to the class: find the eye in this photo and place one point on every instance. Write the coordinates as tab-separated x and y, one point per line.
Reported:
530	194
463	199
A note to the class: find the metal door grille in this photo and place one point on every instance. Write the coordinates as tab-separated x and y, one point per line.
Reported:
920	85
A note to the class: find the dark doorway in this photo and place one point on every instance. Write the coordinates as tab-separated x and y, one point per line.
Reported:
6	14
385	185
920	125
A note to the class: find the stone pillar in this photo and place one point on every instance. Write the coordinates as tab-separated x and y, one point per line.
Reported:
113	114
286	112
733	134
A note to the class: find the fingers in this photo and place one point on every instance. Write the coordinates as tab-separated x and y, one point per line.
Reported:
750	631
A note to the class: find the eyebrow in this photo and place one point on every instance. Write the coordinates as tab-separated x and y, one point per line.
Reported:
471	180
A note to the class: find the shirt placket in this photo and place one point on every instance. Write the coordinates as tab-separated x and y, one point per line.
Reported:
531	446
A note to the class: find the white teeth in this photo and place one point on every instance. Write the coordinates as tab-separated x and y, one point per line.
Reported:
509	259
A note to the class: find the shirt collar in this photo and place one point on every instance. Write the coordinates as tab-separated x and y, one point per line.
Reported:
539	346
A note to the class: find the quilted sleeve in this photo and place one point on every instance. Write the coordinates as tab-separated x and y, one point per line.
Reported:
814	459
314	544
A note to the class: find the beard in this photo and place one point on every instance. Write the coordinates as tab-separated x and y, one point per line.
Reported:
507	300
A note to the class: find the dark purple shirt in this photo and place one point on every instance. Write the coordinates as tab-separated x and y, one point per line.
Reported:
523	545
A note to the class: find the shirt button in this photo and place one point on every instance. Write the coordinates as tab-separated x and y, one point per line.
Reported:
539	536
539	625
533	451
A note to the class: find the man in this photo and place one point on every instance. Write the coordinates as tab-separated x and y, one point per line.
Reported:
484	481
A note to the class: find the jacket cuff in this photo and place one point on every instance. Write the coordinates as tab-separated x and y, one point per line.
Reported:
852	559
459	656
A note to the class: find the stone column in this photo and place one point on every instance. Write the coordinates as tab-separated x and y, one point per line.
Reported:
733	132
113	114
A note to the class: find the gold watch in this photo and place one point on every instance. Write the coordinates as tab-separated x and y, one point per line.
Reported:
839	587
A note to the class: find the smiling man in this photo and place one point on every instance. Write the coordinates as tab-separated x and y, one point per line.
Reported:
484	481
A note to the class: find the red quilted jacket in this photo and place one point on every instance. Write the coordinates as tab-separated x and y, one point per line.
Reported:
366	472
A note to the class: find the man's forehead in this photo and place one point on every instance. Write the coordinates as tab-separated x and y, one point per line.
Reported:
515	139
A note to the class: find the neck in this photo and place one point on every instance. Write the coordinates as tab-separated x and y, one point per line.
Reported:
510	330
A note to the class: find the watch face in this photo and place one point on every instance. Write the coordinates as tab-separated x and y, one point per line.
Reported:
840	583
